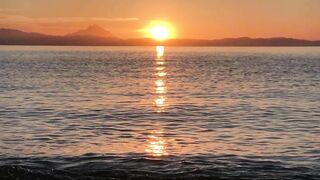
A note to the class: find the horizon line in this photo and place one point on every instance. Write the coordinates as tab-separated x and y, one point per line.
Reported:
182	38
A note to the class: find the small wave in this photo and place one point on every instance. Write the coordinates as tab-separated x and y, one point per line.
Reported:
138	166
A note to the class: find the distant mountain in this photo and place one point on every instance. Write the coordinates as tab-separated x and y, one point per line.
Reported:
97	36
94	30
12	33
245	41
17	37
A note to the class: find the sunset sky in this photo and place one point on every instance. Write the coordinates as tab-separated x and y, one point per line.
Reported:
205	19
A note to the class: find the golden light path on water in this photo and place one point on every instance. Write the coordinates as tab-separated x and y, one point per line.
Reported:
157	145
160	85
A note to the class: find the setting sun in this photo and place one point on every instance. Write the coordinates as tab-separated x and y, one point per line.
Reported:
160	30
160	33
159	89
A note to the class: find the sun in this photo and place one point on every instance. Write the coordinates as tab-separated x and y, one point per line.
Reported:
160	30
159	33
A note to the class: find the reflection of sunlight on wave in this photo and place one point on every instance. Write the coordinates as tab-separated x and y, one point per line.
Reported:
160	63
160	101
160	88
161	74
159	83
160	52
157	145
160	68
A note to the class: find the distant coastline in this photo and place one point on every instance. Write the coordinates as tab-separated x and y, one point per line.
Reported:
96	36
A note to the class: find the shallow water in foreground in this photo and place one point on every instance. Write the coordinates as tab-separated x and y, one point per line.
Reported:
159	113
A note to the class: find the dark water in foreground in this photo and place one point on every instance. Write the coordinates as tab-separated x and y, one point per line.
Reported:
147	113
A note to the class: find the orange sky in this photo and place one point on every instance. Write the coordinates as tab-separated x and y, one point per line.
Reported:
205	19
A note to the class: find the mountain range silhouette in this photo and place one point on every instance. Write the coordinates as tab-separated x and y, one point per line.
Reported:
93	30
95	35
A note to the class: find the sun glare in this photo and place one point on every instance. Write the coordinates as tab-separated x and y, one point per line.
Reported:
160	33
160	30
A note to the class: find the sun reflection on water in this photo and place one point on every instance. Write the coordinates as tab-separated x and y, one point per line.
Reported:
161	74
160	85
160	101
160	68
159	62
157	145
160	90
160	52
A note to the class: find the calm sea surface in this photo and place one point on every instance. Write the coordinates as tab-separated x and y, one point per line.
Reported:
159	113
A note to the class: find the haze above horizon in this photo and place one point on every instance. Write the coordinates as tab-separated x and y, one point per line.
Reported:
201	19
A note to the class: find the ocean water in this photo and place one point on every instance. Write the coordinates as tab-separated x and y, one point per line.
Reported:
159	112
